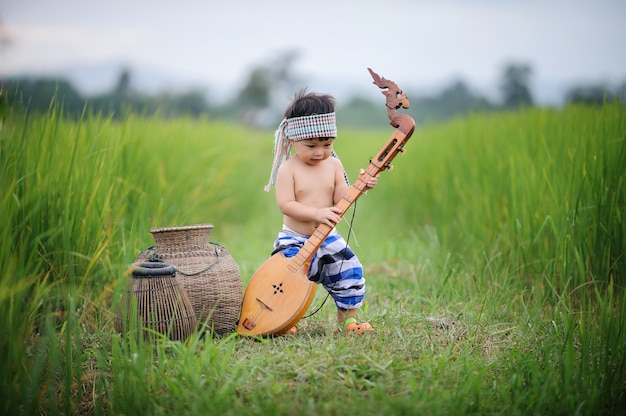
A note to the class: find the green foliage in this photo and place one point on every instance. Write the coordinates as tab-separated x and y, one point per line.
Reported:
453	101
494	254
514	85
38	93
542	189
35	95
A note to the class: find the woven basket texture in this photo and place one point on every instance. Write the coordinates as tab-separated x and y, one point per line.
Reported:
206	270
156	298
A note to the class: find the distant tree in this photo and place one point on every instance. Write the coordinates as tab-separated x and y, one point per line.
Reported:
191	103
123	83
118	106
284	79
456	99
256	92
363	113
459	99
515	86
592	95
40	94
263	85
122	99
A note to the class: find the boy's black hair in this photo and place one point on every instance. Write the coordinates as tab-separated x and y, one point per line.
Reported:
306	103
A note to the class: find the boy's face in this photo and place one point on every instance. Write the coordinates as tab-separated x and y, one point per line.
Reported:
314	151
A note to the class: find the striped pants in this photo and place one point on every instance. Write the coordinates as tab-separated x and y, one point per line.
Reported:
334	265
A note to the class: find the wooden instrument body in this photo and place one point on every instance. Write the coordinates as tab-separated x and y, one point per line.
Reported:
277	297
279	293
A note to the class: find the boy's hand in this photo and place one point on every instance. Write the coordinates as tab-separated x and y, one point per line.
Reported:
371	182
329	216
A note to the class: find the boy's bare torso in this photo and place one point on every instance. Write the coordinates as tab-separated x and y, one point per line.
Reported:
315	186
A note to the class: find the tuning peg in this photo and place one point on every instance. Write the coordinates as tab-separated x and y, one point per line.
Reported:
390	167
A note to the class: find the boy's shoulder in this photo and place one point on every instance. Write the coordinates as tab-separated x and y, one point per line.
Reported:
288	166
288	163
335	161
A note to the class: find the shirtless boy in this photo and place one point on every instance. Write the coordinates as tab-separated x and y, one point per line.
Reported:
308	185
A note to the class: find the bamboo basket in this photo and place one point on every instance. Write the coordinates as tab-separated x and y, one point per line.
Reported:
156	298
206	270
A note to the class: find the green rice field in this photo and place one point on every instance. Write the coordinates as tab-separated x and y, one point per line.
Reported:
494	253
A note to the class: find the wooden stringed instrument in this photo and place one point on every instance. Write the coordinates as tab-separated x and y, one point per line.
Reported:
280	292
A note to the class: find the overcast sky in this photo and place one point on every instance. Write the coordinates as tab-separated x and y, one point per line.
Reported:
416	43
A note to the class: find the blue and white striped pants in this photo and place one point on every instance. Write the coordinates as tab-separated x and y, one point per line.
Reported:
334	265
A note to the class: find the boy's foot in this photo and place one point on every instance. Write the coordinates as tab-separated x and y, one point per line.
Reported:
352	325
292	331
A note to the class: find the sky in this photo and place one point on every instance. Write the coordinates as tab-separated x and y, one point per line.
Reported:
419	44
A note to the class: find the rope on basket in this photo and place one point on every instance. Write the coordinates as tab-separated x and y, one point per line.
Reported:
156	256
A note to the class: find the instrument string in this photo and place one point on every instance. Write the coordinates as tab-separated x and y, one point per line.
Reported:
350	231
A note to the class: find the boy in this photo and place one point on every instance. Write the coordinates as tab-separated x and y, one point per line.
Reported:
308	185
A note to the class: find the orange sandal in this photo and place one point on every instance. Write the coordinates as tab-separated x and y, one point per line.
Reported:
352	325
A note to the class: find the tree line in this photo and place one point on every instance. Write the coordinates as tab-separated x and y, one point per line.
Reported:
254	103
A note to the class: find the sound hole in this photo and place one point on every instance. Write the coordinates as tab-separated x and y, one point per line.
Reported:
278	288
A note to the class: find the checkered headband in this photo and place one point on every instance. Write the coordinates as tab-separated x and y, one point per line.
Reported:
311	127
295	129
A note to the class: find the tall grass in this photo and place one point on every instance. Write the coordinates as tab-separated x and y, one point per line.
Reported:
494	254
542	189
